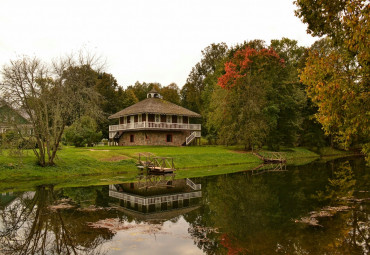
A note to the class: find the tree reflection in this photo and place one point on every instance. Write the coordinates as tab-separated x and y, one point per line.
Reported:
340	185
30	225
245	214
242	208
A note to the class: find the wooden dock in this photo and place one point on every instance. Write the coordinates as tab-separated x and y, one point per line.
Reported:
271	157
155	165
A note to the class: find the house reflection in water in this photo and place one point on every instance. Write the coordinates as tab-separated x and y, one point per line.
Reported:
157	197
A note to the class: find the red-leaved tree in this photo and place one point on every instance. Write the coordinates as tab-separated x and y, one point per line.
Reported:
246	61
242	109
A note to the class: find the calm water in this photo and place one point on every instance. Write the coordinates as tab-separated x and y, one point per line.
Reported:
320	208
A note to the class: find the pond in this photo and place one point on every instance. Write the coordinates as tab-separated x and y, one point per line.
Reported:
319	208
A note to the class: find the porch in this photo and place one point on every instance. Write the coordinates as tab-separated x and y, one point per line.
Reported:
165	126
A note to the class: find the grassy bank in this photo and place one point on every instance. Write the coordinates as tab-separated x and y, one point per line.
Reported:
99	164
103	160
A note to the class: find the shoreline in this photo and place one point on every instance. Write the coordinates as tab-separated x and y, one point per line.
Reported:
89	165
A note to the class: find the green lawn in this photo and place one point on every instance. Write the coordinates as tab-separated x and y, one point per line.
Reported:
98	160
99	164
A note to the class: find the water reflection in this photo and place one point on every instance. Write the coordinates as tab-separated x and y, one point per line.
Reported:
33	223
258	214
269	167
157	196
240	213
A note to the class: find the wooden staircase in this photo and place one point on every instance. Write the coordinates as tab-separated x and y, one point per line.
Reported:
117	136
192	136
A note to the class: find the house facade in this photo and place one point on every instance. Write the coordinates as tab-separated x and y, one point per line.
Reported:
11	119
154	121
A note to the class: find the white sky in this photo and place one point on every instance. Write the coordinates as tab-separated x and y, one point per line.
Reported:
151	40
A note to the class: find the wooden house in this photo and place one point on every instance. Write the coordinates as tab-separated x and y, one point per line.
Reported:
154	121
10	119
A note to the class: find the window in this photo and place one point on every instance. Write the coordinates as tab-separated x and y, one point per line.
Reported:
168	118
169	138
140	118
157	118
132	138
125	120
179	119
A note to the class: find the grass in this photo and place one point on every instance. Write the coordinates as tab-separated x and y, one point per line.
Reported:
102	165
329	151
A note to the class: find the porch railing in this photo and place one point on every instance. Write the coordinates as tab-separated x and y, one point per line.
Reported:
155	125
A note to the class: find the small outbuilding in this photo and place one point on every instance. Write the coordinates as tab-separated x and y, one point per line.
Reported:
154	121
10	119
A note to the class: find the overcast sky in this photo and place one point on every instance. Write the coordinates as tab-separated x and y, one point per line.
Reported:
151	40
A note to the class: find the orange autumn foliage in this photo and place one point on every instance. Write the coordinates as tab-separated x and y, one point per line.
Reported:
241	63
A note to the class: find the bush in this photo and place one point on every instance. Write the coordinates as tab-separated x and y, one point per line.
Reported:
83	132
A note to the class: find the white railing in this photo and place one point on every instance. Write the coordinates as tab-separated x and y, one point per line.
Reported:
192	185
155	125
153	200
198	133
192	136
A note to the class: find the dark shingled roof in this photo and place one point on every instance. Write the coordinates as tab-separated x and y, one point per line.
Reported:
155	106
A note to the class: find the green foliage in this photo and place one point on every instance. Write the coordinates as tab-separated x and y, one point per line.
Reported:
171	93
140	90
80	81
341	185
112	99
83	132
337	70
197	92
262	97
337	88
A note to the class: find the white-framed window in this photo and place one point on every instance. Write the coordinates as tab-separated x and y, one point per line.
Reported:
179	119
168	118
132	119
125	120
140	118
157	118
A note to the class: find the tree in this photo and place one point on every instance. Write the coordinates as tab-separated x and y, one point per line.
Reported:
337	80
80	78
197	82
171	93
197	92
113	99
289	95
241	110
129	98
82	132
141	90
335	86
48	94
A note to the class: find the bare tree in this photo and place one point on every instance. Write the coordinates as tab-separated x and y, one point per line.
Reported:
49	95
